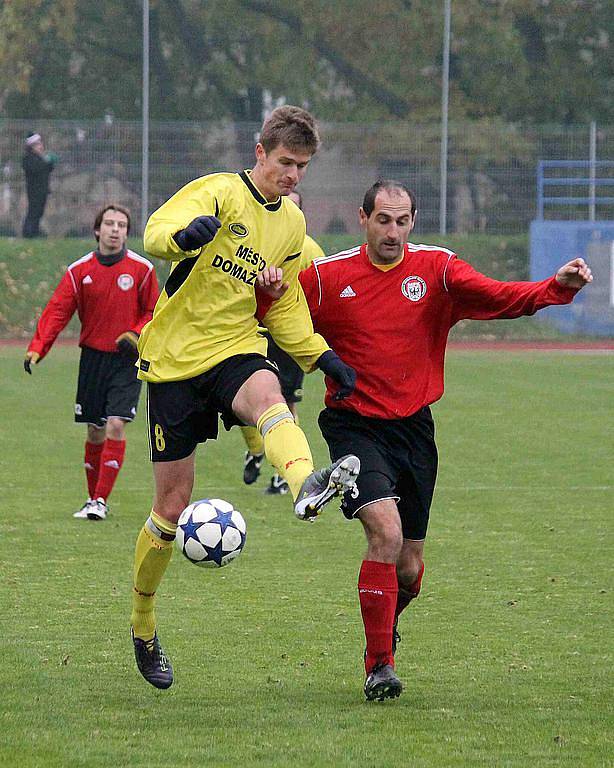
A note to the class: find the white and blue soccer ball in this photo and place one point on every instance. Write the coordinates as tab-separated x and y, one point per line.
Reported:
211	533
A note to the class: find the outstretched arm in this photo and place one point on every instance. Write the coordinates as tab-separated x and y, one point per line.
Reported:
55	317
478	297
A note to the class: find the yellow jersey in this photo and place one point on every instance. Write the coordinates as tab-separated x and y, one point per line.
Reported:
311	251
206	311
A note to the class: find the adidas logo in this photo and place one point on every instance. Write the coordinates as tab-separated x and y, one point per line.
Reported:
87	280
113	463
347	292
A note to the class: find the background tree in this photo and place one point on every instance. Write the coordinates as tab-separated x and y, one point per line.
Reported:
351	60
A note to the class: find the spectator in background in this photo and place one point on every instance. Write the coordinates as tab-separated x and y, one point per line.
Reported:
114	290
37	166
291	377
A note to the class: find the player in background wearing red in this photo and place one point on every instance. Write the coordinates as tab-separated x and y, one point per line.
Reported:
114	291
387	307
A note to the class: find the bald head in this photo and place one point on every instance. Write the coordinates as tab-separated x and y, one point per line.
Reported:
388	219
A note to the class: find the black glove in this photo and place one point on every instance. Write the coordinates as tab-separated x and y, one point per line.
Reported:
126	344
332	365
31	357
199	232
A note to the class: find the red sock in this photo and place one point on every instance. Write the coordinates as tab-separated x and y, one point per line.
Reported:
92	465
110	463
407	595
377	590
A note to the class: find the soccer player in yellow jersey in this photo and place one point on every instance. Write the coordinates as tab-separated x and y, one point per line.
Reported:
291	378
202	355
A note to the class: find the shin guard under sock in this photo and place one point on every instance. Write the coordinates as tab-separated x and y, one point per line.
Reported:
153	551
111	461
377	591
91	463
286	446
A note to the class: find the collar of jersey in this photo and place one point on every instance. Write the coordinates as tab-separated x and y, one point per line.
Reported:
383	267
110	259
274	206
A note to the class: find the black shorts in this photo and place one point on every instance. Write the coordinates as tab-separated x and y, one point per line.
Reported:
107	386
182	414
398	460
290	373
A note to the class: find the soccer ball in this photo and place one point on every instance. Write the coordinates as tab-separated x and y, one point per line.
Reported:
211	533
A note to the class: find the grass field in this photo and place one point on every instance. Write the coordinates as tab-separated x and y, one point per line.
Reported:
30	270
506	656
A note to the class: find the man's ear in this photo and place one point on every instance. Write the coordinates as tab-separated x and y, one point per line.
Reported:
260	152
362	217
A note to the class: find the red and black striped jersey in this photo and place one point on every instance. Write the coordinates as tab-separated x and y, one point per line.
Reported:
391	325
110	299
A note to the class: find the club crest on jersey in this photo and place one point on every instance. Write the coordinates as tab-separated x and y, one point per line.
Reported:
413	288
238	229
125	282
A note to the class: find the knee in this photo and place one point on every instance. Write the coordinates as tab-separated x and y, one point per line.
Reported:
384	542
171	498
409	574
171	505
116	429
269	398
95	435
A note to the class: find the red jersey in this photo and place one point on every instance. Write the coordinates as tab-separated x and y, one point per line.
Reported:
109	299
392	325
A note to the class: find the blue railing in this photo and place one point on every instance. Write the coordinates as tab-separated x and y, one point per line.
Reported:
590	181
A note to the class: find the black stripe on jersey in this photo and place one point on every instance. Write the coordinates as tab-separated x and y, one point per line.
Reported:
274	206
179	275
291	258
217	208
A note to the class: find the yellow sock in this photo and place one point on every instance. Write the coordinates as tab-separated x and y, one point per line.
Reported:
285	446
253	440
154	547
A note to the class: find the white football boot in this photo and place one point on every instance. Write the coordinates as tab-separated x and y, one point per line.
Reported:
82	513
97	510
324	484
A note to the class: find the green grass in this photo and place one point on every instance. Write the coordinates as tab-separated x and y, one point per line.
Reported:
30	270
506	656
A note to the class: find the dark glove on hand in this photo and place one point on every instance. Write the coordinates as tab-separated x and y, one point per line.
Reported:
332	365
31	357
199	232
126	344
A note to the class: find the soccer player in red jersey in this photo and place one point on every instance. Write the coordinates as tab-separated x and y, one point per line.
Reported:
387	307
114	291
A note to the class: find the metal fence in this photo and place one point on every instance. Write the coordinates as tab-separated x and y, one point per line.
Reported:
491	169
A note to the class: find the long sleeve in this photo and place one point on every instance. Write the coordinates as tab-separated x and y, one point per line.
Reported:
148	296
477	297
195	199
55	317
310	283
289	322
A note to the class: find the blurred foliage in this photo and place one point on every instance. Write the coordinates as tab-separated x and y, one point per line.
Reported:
511	60
30	270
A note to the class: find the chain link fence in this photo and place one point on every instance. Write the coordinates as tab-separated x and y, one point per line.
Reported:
491	170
